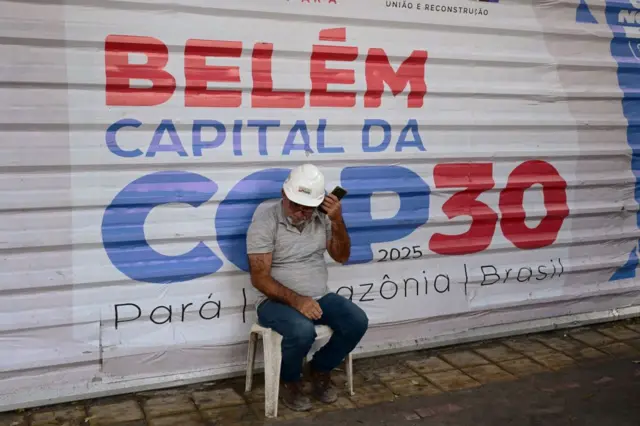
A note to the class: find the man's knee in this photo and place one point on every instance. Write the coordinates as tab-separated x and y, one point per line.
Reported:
358	323
354	319
303	334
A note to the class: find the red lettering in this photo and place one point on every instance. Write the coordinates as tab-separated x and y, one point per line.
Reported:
202	81
197	74
263	95
321	76
333	34
476	178
379	71
119	71
554	188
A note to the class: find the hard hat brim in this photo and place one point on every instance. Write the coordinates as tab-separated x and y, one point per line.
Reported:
303	200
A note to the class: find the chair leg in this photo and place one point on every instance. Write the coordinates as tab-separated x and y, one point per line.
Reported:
251	361
272	364
349	372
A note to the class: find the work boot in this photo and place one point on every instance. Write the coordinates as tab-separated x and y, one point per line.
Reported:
322	388
293	398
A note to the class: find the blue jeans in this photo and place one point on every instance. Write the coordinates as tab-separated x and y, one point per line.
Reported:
348	322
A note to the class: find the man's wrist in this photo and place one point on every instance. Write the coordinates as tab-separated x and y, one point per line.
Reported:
337	221
293	298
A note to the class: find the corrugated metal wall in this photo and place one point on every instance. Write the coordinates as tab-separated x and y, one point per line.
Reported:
507	83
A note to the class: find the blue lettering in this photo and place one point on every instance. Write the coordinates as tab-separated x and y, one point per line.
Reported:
236	212
290	145
176	144
112	144
198	143
412	126
237	137
123	228
366	135
262	126
322	149
362	183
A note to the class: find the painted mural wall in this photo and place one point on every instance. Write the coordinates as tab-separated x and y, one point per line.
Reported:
489	150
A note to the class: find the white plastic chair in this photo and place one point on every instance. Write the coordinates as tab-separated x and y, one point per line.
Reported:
272	342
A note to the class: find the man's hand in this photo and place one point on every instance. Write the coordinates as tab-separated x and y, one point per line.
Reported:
333	207
308	307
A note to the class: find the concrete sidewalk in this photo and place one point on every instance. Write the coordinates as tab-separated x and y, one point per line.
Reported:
579	377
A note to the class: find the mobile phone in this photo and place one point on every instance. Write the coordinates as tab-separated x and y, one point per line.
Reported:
338	192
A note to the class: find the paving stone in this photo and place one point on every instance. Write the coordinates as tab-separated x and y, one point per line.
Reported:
13	419
464	359
430	365
527	346
256	394
367	364
168	405
634	327
620	349
394	372
113	413
412	386
190	419
343	403
498	352
592	338
619	332
452	380
69	415
562	344
571	347
339	379
554	361
232	415
372	394
283	414
217	398
587	354
488	373
399	358
163	392
522	367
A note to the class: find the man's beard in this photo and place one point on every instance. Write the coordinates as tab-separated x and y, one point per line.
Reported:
298	222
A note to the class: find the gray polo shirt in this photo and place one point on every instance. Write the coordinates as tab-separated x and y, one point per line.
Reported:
298	257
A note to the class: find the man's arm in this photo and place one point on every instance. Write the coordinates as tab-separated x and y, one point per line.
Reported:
339	246
260	270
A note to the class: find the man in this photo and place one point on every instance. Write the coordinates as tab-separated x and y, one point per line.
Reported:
286	245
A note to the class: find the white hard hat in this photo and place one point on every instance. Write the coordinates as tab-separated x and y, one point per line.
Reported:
305	186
